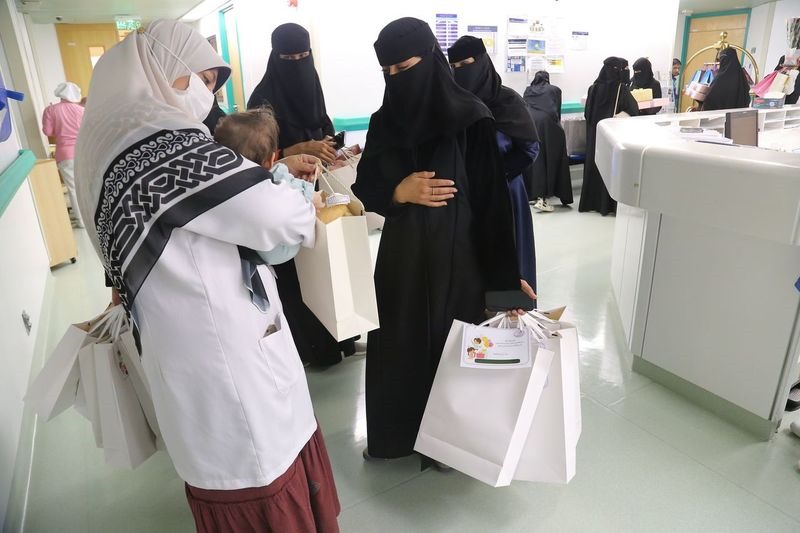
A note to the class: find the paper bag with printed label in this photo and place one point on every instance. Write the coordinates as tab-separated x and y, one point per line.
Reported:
336	275
504	421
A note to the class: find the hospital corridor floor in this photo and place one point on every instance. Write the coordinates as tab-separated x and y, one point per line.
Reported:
648	460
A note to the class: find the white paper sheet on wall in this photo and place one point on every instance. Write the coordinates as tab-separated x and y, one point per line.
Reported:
518	27
580	40
555	64
488	34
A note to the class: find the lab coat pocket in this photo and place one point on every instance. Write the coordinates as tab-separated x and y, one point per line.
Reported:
278	349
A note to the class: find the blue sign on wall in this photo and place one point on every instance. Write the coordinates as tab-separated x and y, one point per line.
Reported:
5	95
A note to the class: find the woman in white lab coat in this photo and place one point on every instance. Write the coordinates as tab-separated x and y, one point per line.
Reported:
175	218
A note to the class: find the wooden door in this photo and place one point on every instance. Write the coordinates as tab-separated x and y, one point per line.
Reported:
704	31
81	46
48	195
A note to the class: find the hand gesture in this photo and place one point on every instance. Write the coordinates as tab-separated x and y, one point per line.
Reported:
321	149
423	189
302	166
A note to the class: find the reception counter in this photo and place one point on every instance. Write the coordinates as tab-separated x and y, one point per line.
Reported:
706	257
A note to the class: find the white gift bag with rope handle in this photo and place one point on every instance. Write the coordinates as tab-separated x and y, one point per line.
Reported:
335	276
501	425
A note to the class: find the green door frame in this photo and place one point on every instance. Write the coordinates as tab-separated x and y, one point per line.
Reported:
225	52
688	24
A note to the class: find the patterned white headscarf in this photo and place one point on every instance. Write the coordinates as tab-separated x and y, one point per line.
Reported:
131	97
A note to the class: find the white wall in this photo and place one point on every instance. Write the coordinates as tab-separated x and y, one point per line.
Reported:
343	34
784	9
47	56
23	274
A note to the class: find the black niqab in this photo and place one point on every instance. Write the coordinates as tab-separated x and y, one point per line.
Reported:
292	87
730	89
481	79
643	74
606	93
643	79
423	102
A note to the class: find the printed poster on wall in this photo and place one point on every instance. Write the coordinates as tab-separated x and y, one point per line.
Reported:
488	34
555	64
555	36
517	47
446	30
580	40
515	64
536	47
536	63
518	27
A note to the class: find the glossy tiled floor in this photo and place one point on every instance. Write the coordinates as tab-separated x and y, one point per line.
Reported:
648	461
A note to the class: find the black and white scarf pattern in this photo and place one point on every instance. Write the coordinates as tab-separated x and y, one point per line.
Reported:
156	185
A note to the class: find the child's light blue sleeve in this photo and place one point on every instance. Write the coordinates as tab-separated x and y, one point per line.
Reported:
280	173
285	252
280	254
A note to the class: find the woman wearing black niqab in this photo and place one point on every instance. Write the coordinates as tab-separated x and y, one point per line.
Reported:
432	167
643	78
291	86
608	96
517	137
730	88
549	175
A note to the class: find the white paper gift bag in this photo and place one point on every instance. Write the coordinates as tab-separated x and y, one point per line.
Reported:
133	362
88	388
483	439
336	275
127	438
55	388
477	420
550	450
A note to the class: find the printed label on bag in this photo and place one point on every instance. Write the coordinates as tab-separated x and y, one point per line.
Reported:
497	348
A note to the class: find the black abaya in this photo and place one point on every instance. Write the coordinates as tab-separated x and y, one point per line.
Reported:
608	96
434	264
293	90
550	173
517	138
730	88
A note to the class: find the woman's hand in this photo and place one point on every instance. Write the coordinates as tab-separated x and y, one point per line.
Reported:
115	299
322	149
302	166
526	288
421	188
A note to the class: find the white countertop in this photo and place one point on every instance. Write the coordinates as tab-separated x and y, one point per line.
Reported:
755	191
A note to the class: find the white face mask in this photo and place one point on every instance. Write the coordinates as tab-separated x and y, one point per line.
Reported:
197	99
